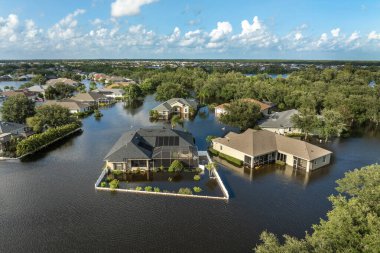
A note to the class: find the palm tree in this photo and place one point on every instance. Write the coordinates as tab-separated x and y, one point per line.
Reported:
176	119
210	167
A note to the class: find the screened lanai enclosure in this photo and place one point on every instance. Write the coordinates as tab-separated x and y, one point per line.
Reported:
165	155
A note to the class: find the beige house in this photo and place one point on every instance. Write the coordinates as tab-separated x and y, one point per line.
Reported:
257	147
67	81
73	106
91	98
180	106
265	108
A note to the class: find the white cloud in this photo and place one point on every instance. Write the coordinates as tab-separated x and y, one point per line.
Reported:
65	28
374	36
8	27
193	39
335	32
298	36
247	28
175	36
255	35
222	30
121	8
353	37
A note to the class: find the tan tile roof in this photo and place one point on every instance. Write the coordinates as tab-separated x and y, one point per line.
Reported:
61	80
88	97
263	106
71	105
259	142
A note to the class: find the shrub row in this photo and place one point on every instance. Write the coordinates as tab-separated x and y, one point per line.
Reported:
228	158
231	160
213	152
36	141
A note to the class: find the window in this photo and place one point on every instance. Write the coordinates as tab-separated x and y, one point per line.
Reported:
221	147
324	159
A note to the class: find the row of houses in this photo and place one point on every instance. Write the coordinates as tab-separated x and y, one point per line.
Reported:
9	130
149	148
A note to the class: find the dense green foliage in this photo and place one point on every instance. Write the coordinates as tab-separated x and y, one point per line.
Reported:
50	116
59	91
241	114
114	184
353	225
36	141
197	177
175	166
132	92
17	109
345	90
170	90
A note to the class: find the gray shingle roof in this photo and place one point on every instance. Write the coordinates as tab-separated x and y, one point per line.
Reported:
279	119
167	105
11	127
140	143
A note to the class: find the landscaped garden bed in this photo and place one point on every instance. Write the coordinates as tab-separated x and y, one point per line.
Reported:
185	182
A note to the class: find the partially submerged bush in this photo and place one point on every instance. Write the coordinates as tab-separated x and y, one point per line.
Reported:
176	166
156	189
197	177
148	188
186	191
103	184
114	184
197	189
138	188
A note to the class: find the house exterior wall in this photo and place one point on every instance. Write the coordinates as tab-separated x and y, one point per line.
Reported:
318	163
229	151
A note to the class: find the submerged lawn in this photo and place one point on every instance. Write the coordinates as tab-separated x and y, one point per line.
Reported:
167	182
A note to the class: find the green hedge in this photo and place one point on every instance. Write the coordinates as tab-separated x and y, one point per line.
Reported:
213	151
231	160
36	141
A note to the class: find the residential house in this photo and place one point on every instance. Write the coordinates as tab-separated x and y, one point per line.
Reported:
257	147
67	81
280	122
38	89
149	148
111	93
11	129
92	98
73	106
180	106
11	93
265	107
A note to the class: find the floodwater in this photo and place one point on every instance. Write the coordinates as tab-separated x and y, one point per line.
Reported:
49	204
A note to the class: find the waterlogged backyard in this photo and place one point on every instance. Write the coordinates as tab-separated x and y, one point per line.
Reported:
186	182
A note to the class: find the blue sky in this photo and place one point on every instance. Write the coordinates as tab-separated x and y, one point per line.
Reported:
269	29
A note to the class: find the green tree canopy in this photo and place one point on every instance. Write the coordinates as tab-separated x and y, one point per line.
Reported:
353	224
50	116
170	90
306	120
17	109
59	91
241	114
132	92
